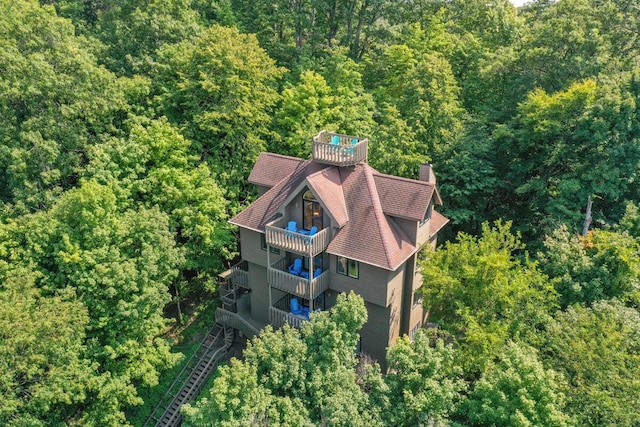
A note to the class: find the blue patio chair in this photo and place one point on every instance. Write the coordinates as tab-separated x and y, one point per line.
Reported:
291	226
312	232
294	306
316	273
335	143
296	267
352	149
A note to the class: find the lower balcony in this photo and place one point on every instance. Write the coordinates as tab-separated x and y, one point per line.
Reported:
280	278
238	275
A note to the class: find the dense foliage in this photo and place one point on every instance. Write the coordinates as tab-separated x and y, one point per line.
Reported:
127	132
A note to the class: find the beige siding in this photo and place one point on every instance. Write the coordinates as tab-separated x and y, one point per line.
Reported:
259	293
250	247
423	233
371	283
410	228
375	333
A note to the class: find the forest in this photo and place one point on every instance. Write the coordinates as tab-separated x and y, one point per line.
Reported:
128	130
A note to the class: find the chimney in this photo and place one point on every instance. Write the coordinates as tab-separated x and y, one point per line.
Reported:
426	173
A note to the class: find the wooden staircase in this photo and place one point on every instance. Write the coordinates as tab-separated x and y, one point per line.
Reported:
189	382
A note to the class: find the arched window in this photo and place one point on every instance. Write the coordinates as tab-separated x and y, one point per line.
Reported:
311	211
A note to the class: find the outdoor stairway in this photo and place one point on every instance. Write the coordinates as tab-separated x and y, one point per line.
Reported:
212	349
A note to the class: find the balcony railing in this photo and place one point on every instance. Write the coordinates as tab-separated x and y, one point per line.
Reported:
279	277
345	150
236	321
291	241
279	317
238	275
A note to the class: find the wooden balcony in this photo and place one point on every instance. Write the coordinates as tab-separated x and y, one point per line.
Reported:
298	243
238	275
279	278
236	321
345	150
278	318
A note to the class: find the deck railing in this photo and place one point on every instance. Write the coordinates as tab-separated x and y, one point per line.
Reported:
298	243
279	317
236	321
238	275
279	277
345	150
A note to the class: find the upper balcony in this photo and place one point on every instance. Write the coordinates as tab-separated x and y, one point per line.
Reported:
339	150
296	242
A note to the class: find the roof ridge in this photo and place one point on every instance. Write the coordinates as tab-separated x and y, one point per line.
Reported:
401	178
378	212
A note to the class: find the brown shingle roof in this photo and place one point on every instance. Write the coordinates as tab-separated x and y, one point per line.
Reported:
264	209
327	185
271	168
370	236
402	197
437	222
361	200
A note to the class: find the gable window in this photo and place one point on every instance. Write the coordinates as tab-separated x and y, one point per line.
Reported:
311	211
348	267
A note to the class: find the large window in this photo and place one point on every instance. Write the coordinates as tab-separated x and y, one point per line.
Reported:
348	267
311	211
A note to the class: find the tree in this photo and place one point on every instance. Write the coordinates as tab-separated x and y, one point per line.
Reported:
561	150
119	264
602	265
424	380
517	391
154	167
416	79
220	90
481	293
597	349
291	377
44	373
54	101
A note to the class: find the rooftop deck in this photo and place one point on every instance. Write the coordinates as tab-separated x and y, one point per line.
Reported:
339	150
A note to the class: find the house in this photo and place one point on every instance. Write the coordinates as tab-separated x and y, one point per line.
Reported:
326	225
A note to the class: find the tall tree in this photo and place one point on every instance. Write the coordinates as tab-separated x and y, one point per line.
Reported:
597	349
54	101
478	290
220	91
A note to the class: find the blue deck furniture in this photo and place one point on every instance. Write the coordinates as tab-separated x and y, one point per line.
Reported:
291	226
296	267
351	149
335	143
316	273
309	234
294	306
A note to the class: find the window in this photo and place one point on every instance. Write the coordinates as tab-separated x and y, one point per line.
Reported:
348	267
417	297
311	211
263	245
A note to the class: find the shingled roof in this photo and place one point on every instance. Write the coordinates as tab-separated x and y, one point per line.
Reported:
271	168
360	200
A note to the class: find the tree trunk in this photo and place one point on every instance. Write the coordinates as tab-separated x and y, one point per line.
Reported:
587	219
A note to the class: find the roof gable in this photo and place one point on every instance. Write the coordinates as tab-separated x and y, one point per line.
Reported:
327	186
370	236
403	197
271	168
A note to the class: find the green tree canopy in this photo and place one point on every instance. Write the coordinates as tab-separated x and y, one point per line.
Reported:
483	294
